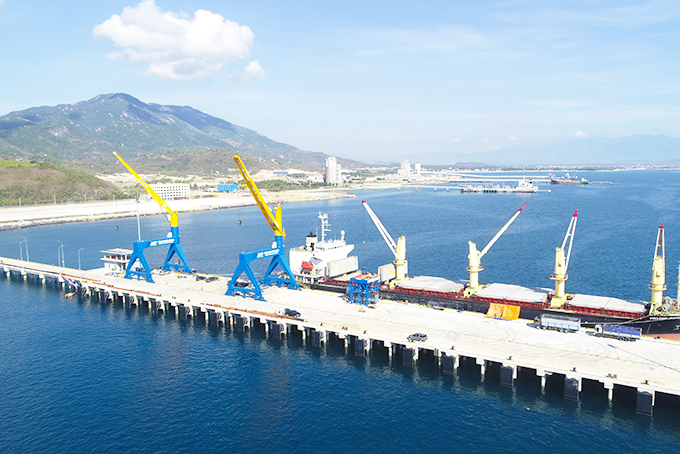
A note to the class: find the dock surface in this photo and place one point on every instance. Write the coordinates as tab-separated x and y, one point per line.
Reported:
648	365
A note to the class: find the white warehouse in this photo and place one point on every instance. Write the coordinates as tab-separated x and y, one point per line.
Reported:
172	190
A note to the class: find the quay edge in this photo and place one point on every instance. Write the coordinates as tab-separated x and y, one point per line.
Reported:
454	337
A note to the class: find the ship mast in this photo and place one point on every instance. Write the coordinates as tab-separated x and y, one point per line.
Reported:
561	264
658	284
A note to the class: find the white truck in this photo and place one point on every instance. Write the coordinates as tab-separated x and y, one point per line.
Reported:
626	333
558	322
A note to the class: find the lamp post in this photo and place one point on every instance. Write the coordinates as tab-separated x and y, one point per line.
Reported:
79	256
21	252
60	254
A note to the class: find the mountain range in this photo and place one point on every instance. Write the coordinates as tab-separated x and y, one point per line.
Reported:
87	133
180	139
596	151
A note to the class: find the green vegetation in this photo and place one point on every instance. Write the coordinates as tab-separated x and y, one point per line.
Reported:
30	183
6	163
282	185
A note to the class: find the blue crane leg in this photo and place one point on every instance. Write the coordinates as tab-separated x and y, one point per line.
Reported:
138	254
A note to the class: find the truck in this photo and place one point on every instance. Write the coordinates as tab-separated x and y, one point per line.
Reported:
625	333
557	322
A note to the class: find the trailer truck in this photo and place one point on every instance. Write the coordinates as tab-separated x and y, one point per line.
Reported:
557	322
626	333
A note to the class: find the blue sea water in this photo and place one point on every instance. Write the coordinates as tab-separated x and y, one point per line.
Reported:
84	377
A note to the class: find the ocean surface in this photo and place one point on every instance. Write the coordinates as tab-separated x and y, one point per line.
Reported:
84	377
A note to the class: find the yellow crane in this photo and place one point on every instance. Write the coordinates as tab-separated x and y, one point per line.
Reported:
276	252
171	240
475	256
658	284
560	275
398	248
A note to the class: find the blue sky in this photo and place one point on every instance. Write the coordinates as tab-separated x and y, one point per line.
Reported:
361	79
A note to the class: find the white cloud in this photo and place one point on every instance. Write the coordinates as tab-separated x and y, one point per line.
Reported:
580	134
485	139
455	140
513	138
173	45
254	71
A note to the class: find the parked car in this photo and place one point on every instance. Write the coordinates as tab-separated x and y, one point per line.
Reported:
417	337
291	313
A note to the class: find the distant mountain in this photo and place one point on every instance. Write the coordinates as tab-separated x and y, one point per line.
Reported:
632	150
92	130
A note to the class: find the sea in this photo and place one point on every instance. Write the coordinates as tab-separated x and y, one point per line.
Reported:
80	377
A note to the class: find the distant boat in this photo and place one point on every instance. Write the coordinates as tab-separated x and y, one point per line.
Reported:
566	179
523	186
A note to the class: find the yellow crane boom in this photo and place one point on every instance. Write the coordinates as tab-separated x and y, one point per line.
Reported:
274	220
174	218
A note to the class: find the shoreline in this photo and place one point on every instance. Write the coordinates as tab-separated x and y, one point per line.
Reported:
14	218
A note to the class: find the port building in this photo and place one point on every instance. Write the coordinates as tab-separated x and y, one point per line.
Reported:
172	190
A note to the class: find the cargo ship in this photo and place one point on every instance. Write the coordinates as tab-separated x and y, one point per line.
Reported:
659	317
566	179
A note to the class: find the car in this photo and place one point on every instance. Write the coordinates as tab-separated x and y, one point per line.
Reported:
291	313
417	337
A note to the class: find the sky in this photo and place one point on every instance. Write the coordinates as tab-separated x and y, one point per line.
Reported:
361	79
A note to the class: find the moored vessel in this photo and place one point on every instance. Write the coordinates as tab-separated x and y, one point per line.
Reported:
659	317
566	179
523	186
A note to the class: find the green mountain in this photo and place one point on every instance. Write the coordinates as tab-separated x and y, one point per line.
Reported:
87	133
26	183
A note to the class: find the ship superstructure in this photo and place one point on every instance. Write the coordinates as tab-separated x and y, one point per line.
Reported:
323	259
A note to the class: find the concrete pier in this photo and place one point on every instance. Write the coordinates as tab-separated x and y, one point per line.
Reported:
648	369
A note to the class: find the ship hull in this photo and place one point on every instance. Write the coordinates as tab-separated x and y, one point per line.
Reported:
651	325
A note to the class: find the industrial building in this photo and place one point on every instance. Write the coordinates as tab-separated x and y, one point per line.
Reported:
333	176
172	190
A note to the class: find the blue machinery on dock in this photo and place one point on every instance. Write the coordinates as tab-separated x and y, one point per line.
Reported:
172	240
363	291
276	252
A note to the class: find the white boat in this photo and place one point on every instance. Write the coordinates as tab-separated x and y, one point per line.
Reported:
523	186
320	260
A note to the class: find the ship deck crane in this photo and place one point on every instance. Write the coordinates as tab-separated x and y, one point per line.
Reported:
561	265
475	256
171	240
276	252
658	284
398	248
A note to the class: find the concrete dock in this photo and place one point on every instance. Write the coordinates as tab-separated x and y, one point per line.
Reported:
651	367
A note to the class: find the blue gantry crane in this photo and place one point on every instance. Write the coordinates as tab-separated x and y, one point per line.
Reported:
171	240
276	252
